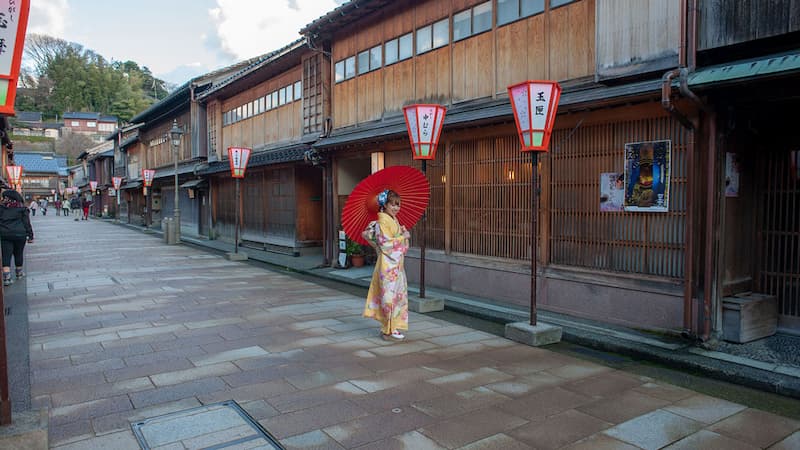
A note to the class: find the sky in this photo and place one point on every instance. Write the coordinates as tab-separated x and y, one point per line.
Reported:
177	39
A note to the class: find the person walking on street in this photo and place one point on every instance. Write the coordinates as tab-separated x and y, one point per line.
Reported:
15	230
57	204
43	206
65	207
75	204
33	206
86	205
387	299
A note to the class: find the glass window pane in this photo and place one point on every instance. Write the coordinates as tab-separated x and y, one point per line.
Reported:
350	67
424	39
507	11
482	18
406	46
531	7
363	62
268	102
391	51
375	57
275	99
461	25
298	90
556	3
339	71
282	96
441	33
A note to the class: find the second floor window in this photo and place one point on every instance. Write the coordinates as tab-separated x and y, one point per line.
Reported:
511	10
369	60
472	21
433	36
399	49
91	124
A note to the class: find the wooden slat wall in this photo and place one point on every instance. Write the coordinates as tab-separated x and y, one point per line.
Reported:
728	22
630	31
472	68
571	41
162	155
582	235
779	230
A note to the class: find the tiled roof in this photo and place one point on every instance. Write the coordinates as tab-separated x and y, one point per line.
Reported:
40	163
29	116
81	115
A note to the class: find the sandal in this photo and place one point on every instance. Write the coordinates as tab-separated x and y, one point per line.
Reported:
395	336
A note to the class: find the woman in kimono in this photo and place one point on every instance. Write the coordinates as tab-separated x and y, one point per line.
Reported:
387	299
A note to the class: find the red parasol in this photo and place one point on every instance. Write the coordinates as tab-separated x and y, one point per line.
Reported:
362	205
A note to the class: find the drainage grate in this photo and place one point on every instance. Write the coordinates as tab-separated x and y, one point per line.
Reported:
216	426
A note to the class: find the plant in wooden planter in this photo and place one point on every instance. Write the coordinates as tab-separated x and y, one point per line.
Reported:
356	253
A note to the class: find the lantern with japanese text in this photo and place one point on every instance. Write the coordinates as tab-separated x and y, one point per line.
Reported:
117	181
238	157
147	176
93	186
14	23
14	175
535	104
424	125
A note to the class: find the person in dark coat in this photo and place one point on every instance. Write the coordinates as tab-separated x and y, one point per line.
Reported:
15	230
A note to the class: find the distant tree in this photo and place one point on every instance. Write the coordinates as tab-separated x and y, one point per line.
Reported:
73	144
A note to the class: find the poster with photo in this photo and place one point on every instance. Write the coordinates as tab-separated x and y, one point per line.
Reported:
647	171
612	191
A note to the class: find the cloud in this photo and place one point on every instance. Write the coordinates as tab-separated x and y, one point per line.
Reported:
48	17
248	28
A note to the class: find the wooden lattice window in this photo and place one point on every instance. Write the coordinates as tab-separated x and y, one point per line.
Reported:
779	229
583	236
211	114
490	195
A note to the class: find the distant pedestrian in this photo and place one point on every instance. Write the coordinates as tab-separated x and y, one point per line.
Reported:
75	204
15	230
33	207
57	204
65	207
86	205
43	206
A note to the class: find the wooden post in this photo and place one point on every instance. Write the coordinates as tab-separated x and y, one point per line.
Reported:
236	232
5	396
422	241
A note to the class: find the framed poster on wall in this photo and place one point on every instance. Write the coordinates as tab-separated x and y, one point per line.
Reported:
647	171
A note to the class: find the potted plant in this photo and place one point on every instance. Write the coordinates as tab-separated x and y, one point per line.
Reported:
356	253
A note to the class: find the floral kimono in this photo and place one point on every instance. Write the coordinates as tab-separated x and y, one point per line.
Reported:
387	299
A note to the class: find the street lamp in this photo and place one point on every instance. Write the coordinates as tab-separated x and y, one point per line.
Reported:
238	157
424	125
175	134
535	104
117	184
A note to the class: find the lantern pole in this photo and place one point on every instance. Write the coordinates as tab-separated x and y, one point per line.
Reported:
422	239
534	230
236	232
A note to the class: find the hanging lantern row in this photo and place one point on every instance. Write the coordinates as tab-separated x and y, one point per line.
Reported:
238	157
535	104
424	124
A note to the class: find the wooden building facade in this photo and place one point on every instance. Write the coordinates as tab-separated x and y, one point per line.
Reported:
269	108
618	62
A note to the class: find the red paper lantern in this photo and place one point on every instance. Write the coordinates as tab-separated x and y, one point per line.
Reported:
14	174
93	185
535	104
12	37
424	125
147	176
117	182
238	157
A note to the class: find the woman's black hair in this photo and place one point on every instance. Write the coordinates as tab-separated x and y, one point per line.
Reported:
13	195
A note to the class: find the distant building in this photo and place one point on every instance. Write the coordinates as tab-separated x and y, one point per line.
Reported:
91	124
29	123
42	173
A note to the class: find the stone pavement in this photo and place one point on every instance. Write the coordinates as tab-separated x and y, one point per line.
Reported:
124	329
